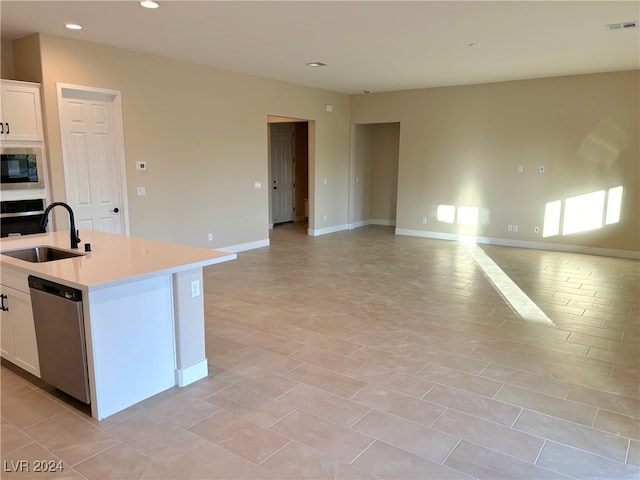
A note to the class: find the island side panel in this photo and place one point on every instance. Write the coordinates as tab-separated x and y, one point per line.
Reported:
191	360
130	343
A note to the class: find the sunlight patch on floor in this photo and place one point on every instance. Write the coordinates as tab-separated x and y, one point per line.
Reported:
519	301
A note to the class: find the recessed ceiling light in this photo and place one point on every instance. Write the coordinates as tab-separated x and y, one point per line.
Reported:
73	26
315	64
149	4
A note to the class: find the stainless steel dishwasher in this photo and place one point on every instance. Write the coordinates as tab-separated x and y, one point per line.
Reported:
59	324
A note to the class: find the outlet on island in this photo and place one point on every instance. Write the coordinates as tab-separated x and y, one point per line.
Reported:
195	289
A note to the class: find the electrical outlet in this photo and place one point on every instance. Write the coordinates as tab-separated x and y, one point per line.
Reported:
520	168
257	185
195	288
141	191
325	218
210	237
515	228
510	228
424	220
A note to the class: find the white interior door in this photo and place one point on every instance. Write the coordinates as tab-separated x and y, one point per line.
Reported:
282	179
94	172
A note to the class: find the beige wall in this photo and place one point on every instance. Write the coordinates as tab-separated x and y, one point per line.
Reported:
27	60
363	153
6	61
203	134
461	146
384	173
458	146
302	167
375	173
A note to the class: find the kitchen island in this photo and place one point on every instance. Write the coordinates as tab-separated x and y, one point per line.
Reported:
142	305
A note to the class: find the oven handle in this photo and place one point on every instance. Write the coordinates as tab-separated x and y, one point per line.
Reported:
22	214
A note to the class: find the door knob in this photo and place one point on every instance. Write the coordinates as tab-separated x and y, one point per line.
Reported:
115	210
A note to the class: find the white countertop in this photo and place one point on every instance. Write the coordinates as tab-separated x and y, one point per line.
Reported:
114	259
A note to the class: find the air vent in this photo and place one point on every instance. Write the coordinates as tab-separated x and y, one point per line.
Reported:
622	26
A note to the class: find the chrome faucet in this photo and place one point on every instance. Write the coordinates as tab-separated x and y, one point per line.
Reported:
73	233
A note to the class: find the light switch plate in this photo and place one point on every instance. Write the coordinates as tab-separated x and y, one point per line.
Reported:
257	185
141	191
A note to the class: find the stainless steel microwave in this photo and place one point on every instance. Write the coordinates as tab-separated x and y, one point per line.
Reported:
21	168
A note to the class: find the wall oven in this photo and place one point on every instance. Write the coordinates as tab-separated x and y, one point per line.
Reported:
21	217
21	168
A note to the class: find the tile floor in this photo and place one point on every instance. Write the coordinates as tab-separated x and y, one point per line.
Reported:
365	355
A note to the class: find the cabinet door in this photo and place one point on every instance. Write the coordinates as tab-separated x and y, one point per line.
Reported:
21	113
6	331
24	332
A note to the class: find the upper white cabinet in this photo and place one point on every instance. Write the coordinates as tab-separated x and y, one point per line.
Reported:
20	112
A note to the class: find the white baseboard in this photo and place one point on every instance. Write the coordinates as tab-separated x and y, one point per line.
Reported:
380	221
243	247
373	221
324	231
358	224
506	242
192	374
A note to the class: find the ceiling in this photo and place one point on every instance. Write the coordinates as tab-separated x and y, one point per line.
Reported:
367	45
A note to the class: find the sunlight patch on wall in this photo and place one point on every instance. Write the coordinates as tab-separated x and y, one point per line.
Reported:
582	213
446	213
467	216
552	213
517	299
614	205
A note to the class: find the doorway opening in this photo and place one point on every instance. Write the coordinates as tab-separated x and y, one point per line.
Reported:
374	174
289	171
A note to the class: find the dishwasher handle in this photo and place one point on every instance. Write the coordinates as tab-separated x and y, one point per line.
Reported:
53	288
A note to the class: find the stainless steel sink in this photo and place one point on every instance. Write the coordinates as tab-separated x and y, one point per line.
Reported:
41	254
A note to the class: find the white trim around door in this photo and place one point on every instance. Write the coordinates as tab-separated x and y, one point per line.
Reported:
114	98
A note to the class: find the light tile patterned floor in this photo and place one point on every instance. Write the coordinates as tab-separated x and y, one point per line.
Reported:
365	355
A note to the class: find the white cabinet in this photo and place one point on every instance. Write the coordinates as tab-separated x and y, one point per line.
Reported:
20	112
6	330
18	342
